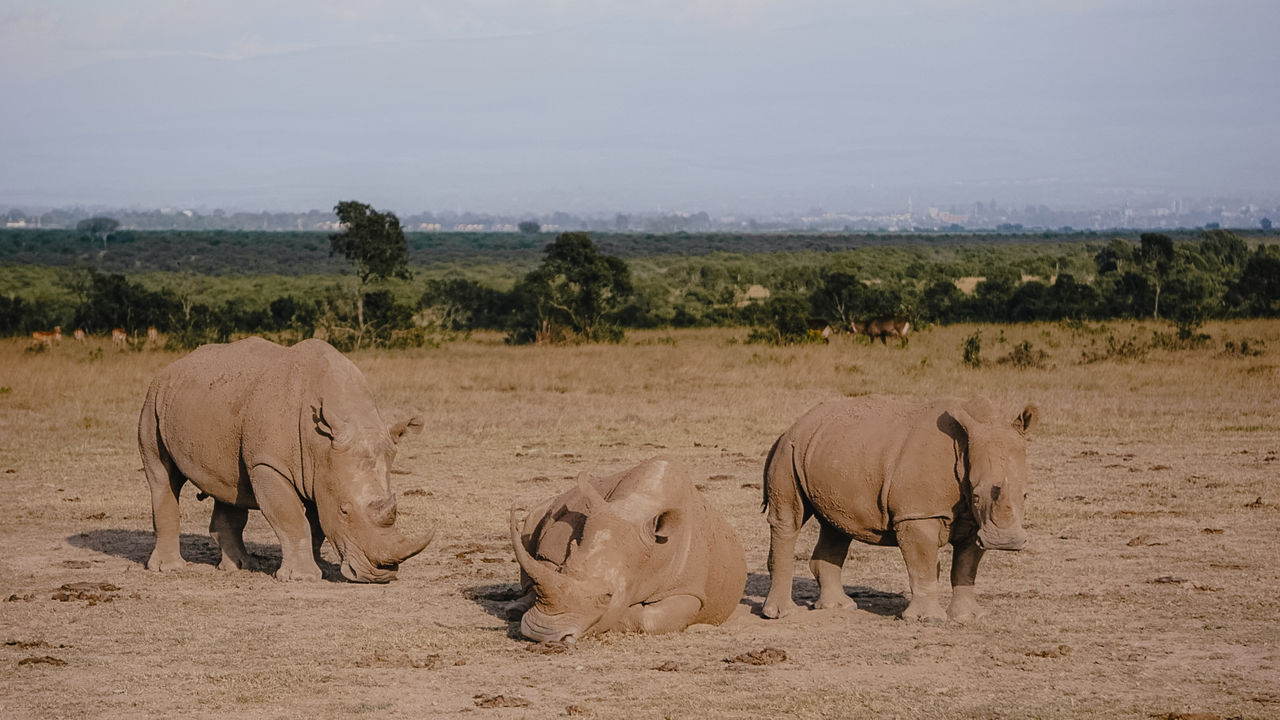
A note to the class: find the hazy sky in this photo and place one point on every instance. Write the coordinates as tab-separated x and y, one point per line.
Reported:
600	106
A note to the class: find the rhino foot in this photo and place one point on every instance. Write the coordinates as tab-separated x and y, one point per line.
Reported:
242	564
928	612
776	610
840	603
165	563
285	574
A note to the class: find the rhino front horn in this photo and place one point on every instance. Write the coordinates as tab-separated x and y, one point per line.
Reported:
401	548
543	573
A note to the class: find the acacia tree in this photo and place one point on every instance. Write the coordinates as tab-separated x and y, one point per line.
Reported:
98	227
374	242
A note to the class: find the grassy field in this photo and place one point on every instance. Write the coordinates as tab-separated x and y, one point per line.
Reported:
1149	587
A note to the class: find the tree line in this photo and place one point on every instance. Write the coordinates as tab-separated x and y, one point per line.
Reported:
577	292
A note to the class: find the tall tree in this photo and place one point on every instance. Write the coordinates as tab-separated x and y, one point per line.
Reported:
1156	256
374	242
577	289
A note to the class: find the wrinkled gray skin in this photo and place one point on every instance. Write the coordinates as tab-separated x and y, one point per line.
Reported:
890	471
290	431
640	551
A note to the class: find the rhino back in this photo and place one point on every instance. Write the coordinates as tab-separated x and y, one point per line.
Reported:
205	401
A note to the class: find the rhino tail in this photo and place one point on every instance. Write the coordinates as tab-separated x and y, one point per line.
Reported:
780	464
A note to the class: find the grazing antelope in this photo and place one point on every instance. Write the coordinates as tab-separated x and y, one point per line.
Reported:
47	339
119	338
890	326
153	336
79	334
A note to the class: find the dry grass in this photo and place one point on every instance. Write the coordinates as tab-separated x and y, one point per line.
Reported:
1142	470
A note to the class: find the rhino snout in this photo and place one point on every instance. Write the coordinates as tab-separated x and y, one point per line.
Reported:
1002	540
541	627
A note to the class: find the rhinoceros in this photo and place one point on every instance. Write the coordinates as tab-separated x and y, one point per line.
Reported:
291	431
639	551
889	471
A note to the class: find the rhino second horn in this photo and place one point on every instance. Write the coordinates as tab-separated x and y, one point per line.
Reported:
595	501
544	574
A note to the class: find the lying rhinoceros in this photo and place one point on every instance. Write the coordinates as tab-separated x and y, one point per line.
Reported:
637	551
889	471
291	431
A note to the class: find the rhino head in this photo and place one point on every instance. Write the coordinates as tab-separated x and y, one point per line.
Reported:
629	547
996	461
353	498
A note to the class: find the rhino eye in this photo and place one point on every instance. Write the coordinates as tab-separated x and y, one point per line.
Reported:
995	494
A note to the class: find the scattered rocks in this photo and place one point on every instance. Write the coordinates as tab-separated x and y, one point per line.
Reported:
767	656
43	660
1256	503
500	701
76	564
668	666
1143	540
575	710
1192	716
1060	651
92	592
1168	580
547	648
414	491
26	597
752	486
96	516
378	659
1212	531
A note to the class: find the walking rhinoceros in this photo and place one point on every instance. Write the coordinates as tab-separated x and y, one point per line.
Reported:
889	471
291	431
637	551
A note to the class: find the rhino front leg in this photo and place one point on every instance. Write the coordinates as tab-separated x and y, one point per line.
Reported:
827	562
227	528
317	532
918	540
287	515
964	568
670	615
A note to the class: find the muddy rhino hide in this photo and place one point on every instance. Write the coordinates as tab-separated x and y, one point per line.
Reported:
639	551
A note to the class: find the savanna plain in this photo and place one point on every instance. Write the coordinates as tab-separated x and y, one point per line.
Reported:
1148	589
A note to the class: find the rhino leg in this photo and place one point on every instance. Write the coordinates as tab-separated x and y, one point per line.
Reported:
787	512
286	514
227	528
672	614
964	568
827	562
317	532
918	540
166	484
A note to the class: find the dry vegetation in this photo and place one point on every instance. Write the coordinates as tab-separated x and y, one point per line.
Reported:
1150	587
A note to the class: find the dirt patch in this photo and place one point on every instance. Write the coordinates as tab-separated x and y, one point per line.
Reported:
500	701
380	659
668	666
91	592
766	656
43	660
547	648
1057	652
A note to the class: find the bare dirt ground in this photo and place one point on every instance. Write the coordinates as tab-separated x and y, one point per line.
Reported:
1149	588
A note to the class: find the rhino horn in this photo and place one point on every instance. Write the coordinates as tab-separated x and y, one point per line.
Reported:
544	574
395	548
595	501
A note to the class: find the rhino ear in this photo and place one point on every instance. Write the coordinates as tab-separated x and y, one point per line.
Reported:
322	425
1028	417
413	424
664	526
327	424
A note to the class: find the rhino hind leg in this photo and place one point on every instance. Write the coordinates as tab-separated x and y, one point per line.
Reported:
918	540
165	482
787	511
826	564
227	528
672	614
287	516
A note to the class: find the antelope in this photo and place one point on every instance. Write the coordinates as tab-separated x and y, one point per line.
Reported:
889	326
153	336
79	335
47	339
119	337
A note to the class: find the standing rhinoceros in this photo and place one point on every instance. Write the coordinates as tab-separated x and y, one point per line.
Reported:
637	551
889	471
291	431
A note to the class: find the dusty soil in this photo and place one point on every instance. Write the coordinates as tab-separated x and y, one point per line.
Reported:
1149	589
